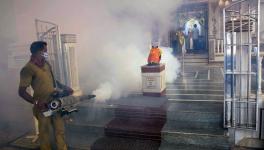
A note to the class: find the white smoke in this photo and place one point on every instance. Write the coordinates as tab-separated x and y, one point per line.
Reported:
172	64
113	37
124	44
103	92
127	77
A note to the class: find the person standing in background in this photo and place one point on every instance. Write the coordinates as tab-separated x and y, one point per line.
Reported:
190	39
174	41
181	41
195	36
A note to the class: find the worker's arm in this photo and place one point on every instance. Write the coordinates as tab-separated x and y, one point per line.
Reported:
22	92
25	81
26	76
62	91
64	87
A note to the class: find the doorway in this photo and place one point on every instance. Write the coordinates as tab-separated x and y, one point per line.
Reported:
191	20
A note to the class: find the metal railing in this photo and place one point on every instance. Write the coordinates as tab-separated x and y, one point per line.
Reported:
219	47
241	49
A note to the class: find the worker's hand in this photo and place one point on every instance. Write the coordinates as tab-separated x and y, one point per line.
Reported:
69	90
41	106
57	93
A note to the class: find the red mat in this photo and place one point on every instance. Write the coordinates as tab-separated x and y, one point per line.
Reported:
135	128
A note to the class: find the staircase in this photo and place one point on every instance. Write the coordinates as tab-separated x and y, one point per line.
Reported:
197	59
195	112
137	124
250	144
190	118
129	123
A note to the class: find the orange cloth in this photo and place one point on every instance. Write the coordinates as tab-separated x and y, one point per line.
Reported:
154	55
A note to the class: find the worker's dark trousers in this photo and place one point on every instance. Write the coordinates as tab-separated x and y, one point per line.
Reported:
195	44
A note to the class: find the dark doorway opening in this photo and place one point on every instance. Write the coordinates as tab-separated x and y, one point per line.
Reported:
191	21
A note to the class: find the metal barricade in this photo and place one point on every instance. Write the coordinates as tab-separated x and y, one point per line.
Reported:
49	32
241	47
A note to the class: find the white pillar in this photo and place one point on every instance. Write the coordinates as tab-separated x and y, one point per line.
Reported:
70	62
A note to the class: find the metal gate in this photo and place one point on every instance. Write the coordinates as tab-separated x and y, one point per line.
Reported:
49	32
242	82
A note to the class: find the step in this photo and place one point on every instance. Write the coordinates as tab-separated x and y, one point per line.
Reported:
141	107
205	138
135	128
193	56
194	125
196	96
195	111
250	144
196	116
195	106
85	128
93	113
169	146
189	130
192	61
195	100
145	113
116	143
139	102
194	91
194	81
198	77
197	68
186	64
196	86
202	76
189	74
186	59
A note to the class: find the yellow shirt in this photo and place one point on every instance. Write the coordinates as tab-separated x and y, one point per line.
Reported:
40	80
180	37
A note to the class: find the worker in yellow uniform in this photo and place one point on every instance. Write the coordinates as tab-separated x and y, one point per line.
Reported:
154	54
37	73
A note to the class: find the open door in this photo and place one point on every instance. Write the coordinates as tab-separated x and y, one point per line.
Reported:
49	32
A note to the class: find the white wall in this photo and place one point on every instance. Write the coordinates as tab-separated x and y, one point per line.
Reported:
7	31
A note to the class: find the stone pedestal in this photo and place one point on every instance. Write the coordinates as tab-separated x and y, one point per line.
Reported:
153	80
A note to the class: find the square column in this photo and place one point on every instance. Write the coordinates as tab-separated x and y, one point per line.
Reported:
153	80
